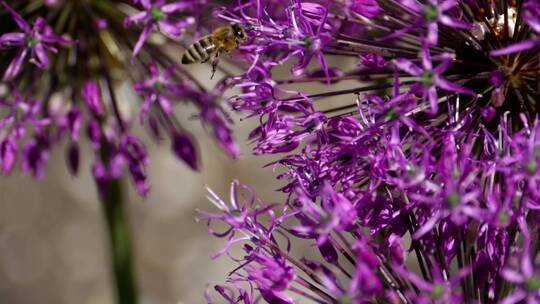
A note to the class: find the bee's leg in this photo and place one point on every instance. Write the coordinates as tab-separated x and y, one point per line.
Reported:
215	60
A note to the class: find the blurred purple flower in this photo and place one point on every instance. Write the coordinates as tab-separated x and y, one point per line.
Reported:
37	40
184	149
155	14
80	88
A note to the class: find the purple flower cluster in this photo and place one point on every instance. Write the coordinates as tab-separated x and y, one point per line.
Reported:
81	53
417	183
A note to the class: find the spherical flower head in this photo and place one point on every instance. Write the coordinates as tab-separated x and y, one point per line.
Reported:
429	136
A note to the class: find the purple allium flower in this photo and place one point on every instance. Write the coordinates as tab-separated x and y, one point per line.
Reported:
413	173
74	94
431	77
35	40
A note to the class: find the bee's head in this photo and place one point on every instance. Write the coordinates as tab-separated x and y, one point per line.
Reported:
239	32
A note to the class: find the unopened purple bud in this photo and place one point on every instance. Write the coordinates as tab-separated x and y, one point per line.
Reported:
184	149
74	123
373	61
101	24
116	166
496	78
154	128
488	113
8	154
328	252
35	156
94	133
73	158
92	96
139	177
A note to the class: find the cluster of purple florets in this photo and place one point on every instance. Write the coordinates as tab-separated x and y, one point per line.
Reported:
421	186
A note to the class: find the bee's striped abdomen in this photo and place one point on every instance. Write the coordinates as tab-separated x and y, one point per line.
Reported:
199	51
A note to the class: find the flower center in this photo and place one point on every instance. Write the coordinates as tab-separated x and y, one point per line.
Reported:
504	217
428	78
391	115
437	292
533	284
307	43
157	14
159	86
431	13
344	300
31	41
532	166
453	199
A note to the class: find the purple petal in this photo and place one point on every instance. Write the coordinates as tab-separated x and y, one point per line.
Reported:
531	15
513	48
433	33
426	58
175	29
39	25
39	53
433	99
366	8
10	39
142	39
15	66
452	87
446	5
147	4
407	66
512	276
276	298
447	60
515	297
53	38
413	4
35	155
23	25
428	226
177	6
165	103
451	22
91	95
128	21
328	252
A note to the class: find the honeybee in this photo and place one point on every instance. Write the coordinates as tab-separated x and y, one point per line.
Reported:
223	39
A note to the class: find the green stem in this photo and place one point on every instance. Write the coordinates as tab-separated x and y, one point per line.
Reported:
119	237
